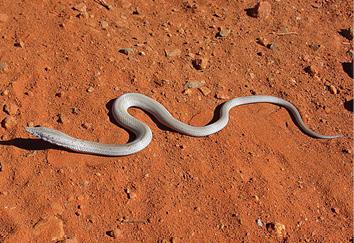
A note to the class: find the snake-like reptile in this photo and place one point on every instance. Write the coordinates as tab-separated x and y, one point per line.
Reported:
143	134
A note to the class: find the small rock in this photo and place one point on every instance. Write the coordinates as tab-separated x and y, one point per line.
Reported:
278	229
194	84
59	93
104	24
172	53
19	43
161	82
81	7
8	122
10	109
335	210
125	51
1	167
3	18
90	89
312	70
60	118
315	46
142	53
333	89
187	92
262	41
49	229
75	110
136	11
346	151
86	125
3	67
263	9
5	92
271	46
200	63
223	32
259	222
115	233
205	90
131	194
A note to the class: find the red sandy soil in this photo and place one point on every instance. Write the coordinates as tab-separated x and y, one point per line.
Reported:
61	68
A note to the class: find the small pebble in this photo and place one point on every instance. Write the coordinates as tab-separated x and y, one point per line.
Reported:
5	92
172	53
263	9
104	24
86	125
312	70
200	63
75	110
8	122
81	7
278	229
19	43
315	46
125	51
259	222
205	90
333	89
262	41
346	151
1	167
10	109
142	53
335	210
59	93
194	84
116	233
90	89
60	118
3	67
271	46
187	92
223	32
161	82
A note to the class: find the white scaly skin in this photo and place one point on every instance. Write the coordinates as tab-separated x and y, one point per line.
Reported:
143	133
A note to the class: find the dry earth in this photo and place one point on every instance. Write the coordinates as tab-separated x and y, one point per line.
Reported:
258	180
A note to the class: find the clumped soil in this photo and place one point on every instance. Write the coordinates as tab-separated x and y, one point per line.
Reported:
258	180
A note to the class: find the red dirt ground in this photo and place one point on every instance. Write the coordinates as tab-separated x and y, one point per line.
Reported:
60	67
